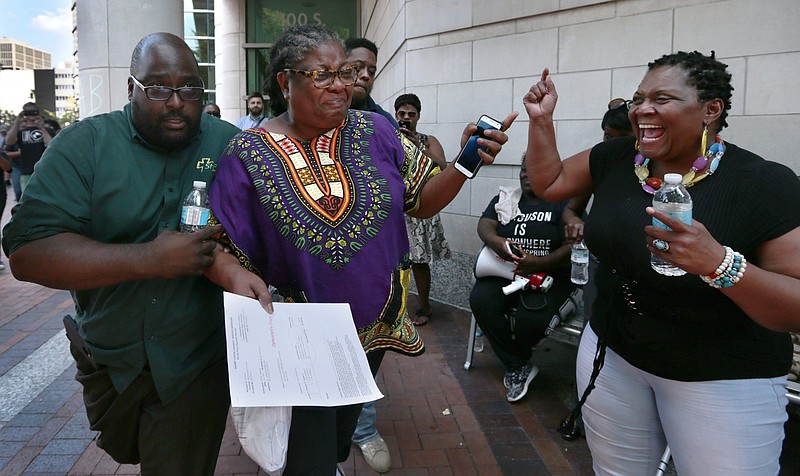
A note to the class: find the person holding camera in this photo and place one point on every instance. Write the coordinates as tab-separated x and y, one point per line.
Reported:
30	133
5	166
425	236
525	229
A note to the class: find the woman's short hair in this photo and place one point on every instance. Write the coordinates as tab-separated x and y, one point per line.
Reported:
706	74
292	46
407	99
617	119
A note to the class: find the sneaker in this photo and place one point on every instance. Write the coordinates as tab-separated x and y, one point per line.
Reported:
519	380
339	470
507	378
377	455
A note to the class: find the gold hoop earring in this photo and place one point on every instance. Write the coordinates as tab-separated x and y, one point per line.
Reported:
704	140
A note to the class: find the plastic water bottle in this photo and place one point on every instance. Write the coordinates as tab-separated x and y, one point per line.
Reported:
478	347
672	199
580	263
194	214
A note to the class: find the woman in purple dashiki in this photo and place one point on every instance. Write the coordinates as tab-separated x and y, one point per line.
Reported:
330	212
314	205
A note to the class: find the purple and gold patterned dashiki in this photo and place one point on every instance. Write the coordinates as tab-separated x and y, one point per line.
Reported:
323	221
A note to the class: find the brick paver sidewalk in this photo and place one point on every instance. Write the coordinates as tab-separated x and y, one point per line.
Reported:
437	418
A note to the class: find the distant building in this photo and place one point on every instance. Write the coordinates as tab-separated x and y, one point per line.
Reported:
16	55
27	75
66	88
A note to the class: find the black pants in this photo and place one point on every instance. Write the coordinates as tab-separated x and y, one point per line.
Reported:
182	437
513	324
320	436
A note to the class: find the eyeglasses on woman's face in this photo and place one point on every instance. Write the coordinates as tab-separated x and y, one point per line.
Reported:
323	78
618	103
163	93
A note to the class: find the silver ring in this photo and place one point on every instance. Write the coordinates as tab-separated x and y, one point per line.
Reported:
661	245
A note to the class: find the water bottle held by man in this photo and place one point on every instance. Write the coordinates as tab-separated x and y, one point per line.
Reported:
194	214
672	199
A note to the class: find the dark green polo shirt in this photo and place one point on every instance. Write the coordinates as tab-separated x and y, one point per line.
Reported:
99	179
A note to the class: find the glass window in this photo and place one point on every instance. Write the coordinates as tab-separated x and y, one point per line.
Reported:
203	50
209	96
257	59
198	5
208	76
199	35
198	24
266	20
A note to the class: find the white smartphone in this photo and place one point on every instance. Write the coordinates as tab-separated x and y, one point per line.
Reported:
468	161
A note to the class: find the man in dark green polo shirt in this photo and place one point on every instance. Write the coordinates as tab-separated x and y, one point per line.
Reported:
100	218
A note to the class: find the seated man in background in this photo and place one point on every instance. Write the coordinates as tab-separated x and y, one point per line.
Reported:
521	227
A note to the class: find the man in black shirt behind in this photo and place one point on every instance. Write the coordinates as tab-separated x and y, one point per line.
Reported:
30	133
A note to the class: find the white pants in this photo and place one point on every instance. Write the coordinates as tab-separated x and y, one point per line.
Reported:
721	427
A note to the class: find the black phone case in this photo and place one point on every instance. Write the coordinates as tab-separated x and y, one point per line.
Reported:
74	336
466	161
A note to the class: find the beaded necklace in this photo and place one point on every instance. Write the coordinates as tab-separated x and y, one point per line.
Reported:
706	164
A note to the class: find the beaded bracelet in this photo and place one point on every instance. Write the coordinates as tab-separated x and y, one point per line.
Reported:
729	272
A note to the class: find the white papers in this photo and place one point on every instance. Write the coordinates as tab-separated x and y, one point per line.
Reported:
301	354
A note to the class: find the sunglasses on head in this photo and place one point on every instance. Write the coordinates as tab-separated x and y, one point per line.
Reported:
618	103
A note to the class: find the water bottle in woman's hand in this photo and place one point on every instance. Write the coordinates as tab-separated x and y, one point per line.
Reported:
672	199
580	263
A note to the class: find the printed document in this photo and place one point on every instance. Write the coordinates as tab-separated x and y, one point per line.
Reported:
301	354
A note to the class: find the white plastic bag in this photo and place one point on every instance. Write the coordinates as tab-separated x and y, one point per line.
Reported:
264	435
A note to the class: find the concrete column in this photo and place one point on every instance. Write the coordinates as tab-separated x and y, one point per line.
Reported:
229	37
108	30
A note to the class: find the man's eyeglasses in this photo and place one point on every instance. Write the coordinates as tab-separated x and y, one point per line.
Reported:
618	103
323	78
163	93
